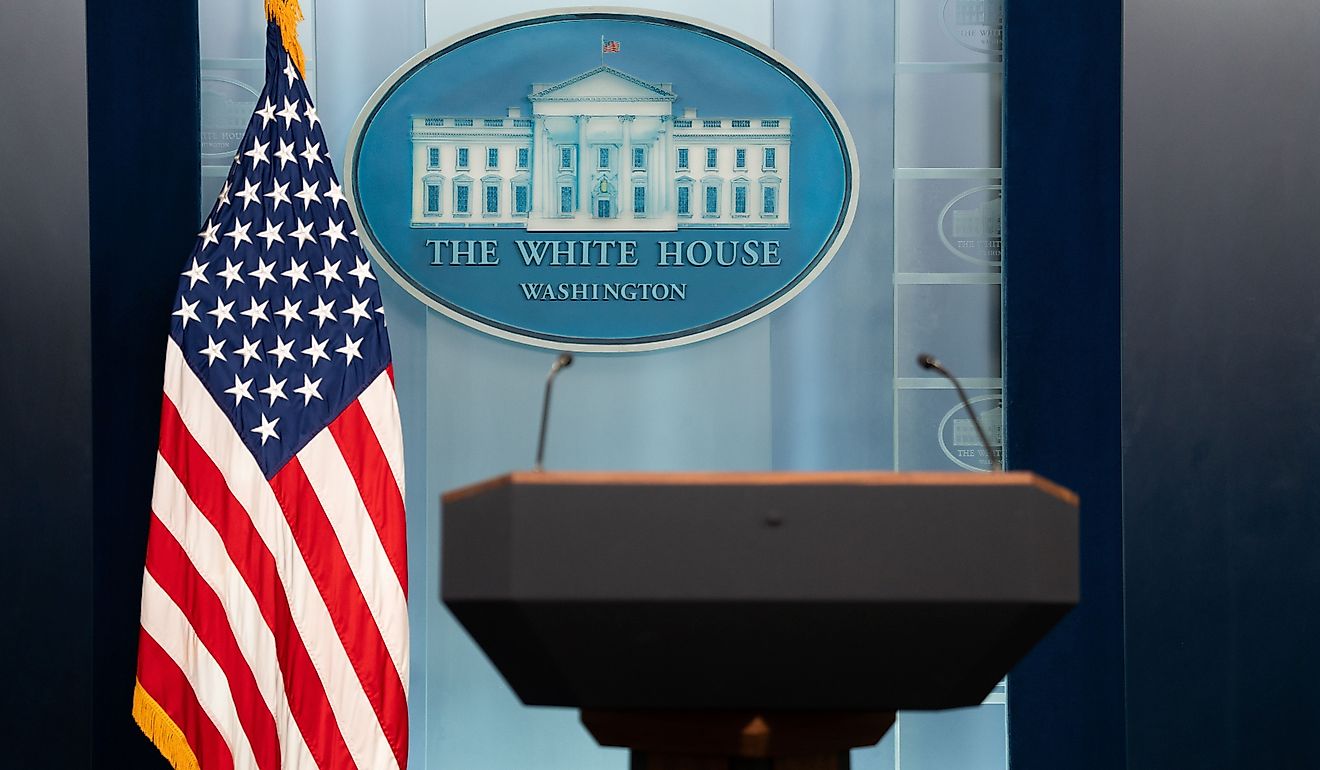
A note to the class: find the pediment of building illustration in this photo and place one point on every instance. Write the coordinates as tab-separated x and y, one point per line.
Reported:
602	84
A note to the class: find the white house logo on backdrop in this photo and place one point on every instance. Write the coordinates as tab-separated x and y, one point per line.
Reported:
600	151
689	183
958	437
970	224
976	24
227	106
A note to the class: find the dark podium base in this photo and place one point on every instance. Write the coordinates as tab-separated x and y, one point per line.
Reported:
737	740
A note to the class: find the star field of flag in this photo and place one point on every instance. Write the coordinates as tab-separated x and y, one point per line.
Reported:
279	312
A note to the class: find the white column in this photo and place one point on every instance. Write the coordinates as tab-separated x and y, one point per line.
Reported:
625	170
664	178
583	201
539	208
550	172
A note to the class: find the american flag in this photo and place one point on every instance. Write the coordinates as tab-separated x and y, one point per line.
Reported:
609	46
274	630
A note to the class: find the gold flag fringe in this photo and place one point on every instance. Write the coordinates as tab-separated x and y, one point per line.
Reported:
162	731
287	14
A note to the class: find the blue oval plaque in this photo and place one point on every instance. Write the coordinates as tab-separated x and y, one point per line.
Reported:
593	180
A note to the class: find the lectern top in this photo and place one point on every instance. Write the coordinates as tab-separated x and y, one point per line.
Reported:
766	478
843	591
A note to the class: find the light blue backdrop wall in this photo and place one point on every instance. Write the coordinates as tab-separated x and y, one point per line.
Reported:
809	387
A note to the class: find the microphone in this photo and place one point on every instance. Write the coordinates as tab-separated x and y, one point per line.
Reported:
927	361
564	361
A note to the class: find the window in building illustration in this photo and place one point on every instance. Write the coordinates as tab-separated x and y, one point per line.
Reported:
685	200
770	200
492	157
639	200
492	200
432	198
521	199
638	158
462	158
740	158
566	157
682	159
433	157
712	200
604	157
524	155
769	158
712	157
565	199
740	199
462	195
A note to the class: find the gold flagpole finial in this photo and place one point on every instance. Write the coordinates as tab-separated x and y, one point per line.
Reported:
287	14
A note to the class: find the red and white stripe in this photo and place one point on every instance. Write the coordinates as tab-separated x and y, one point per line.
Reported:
274	613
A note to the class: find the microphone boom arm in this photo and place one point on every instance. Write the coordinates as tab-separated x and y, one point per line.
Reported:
928	362
564	361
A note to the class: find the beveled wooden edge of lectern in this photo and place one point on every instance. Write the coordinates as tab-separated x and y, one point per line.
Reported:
695	617
766	478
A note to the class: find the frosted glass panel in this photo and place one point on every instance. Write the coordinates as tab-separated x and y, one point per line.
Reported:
947	186
959	321
945	119
948	225
933	432
949	31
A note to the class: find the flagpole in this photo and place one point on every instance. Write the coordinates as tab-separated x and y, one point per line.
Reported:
602	50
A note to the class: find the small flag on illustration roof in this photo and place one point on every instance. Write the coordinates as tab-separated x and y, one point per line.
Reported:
609	46
274	624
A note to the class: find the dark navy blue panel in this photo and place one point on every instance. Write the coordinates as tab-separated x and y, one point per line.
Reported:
45	388
143	117
1062	357
1221	371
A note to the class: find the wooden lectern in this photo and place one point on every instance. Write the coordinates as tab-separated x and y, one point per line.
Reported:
756	620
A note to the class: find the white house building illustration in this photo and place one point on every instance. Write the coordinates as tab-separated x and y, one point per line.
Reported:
982	221
964	430
600	151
